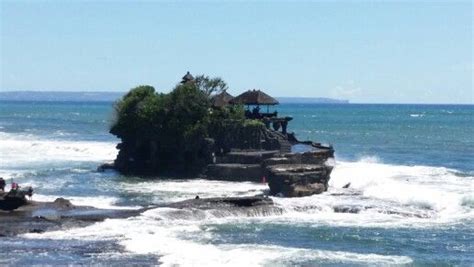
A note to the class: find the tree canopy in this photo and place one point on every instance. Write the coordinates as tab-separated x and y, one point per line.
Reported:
209	85
170	132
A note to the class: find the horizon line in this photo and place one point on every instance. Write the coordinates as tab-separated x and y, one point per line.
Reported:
348	101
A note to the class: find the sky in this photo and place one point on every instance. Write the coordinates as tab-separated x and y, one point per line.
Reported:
363	51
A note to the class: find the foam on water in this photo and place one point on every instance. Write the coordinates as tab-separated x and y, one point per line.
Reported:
177	190
153	232
100	202
387	196
382	195
396	196
20	152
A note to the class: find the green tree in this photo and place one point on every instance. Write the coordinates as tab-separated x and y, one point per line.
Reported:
170	132
209	85
133	111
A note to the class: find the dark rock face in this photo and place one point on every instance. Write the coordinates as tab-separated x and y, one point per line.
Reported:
235	172
106	166
142	157
288	175
12	200
298	180
255	154
316	157
247	157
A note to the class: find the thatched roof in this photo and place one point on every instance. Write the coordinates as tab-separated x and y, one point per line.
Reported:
254	97
222	99
188	77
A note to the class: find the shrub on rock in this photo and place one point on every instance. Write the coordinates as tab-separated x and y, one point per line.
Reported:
169	133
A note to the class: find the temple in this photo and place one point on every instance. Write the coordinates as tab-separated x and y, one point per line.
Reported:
255	98
256	147
292	167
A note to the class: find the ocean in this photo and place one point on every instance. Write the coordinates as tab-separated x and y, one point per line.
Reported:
411	169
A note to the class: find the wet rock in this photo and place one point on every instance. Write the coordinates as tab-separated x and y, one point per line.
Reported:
347	209
38	217
276	161
106	166
13	199
306	190
235	172
206	203
298	180
346	192
288	174
224	207
62	203
247	157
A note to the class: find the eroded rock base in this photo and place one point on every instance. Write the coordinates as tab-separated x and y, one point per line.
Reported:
287	174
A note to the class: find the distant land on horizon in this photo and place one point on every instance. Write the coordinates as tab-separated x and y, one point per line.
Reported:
60	96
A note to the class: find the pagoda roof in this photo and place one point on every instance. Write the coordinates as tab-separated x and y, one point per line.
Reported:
222	99
254	97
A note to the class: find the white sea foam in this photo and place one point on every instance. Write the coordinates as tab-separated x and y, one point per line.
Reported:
21	152
173	242
100	202
176	190
387	195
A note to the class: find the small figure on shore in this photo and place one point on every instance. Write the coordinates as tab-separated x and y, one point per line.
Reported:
197	197
29	192
15	187
2	184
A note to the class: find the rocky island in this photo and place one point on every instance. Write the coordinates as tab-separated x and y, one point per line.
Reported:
199	130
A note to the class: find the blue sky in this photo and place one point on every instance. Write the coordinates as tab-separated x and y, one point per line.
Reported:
364	51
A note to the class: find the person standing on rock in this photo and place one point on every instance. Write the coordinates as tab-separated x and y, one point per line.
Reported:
15	186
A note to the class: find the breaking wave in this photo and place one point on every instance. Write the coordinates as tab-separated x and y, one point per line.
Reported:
21	153
189	243
380	195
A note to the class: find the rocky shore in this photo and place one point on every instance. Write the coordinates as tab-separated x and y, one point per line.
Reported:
287	174
39	217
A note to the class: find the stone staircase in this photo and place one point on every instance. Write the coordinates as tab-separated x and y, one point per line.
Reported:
278	140
287	174
247	157
240	165
285	147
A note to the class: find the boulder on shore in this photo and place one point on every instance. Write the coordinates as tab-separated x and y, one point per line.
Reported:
13	199
298	180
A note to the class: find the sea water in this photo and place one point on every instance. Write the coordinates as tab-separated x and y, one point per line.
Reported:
411	169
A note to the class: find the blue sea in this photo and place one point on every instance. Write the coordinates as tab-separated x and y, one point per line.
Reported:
411	169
